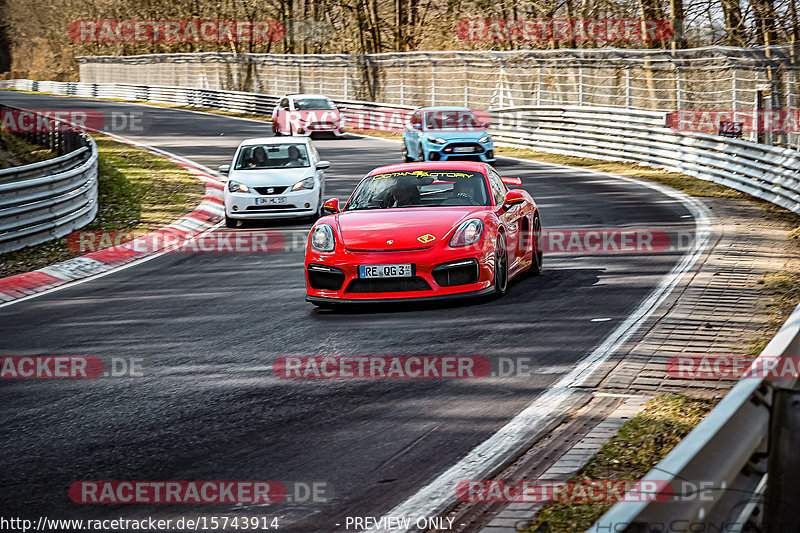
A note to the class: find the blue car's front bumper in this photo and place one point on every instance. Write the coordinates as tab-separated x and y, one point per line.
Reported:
460	150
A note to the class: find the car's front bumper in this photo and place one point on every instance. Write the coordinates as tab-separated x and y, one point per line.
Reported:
431	275
447	152
301	203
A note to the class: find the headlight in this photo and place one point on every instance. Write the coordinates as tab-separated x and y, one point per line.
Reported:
485	139
235	186
468	232
437	140
322	238
307	183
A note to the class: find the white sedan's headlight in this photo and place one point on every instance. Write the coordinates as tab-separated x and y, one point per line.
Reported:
322	238
469	232
485	139
235	186
307	183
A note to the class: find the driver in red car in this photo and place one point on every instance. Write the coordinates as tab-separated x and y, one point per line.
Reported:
405	194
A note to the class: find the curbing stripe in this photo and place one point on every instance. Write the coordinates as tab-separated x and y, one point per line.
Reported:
206	215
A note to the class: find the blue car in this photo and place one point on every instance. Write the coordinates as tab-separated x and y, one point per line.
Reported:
446	133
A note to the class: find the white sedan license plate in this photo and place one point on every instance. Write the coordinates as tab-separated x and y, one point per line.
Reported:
271	201
384	271
462	149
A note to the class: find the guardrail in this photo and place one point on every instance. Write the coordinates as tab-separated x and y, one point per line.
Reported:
49	199
745	455
616	134
731	447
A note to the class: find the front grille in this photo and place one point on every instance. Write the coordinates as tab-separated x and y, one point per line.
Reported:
474	147
265	191
415	283
456	273
322	277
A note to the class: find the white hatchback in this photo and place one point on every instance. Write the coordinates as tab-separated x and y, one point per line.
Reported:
274	178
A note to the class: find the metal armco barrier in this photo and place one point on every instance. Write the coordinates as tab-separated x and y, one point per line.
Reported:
732	450
618	134
49	199
726	462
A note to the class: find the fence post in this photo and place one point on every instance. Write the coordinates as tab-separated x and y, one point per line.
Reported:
783	483
628	88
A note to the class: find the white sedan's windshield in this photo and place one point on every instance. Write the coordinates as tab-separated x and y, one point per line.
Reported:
272	156
303	104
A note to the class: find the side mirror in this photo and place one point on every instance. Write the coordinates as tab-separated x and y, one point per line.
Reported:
486	124
513	198
224	169
516	182
331	206
321	165
416	126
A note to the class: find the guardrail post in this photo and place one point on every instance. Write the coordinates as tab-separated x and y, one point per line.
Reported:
783	485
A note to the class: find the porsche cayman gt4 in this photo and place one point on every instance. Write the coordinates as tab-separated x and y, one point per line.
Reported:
423	231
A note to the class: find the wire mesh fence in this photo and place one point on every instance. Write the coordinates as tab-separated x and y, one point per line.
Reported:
713	78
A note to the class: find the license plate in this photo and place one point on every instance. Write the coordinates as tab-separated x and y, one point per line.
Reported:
462	149
384	271
271	201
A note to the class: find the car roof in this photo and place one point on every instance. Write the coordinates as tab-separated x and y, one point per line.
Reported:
442	165
274	140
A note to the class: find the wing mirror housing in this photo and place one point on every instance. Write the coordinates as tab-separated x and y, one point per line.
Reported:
321	165
331	206
224	169
514	182
513	198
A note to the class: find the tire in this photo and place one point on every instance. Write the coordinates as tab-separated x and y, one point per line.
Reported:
404	153
500	266
230	222
536	231
421	154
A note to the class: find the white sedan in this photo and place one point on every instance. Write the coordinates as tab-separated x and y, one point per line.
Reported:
273	178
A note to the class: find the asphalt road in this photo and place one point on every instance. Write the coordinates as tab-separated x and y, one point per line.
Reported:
208	327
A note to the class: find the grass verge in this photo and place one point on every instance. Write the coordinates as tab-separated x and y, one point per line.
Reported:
639	445
15	151
137	191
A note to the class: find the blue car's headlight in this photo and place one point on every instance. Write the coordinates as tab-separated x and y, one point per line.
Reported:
437	140
485	139
322	238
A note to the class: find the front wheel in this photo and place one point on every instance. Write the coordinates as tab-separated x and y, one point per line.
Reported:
421	154
536	236
230	222
404	153
500	266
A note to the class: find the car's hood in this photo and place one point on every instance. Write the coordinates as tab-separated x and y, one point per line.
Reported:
273	176
409	228
457	134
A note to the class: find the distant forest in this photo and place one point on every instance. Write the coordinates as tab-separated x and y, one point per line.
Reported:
36	34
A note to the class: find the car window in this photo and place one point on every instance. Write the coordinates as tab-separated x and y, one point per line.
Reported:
415	118
303	104
498	187
258	156
420	188
452	119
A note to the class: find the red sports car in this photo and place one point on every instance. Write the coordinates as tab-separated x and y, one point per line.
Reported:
423	231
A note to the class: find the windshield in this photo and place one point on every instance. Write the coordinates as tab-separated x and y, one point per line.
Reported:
303	104
460	119
420	188
272	156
